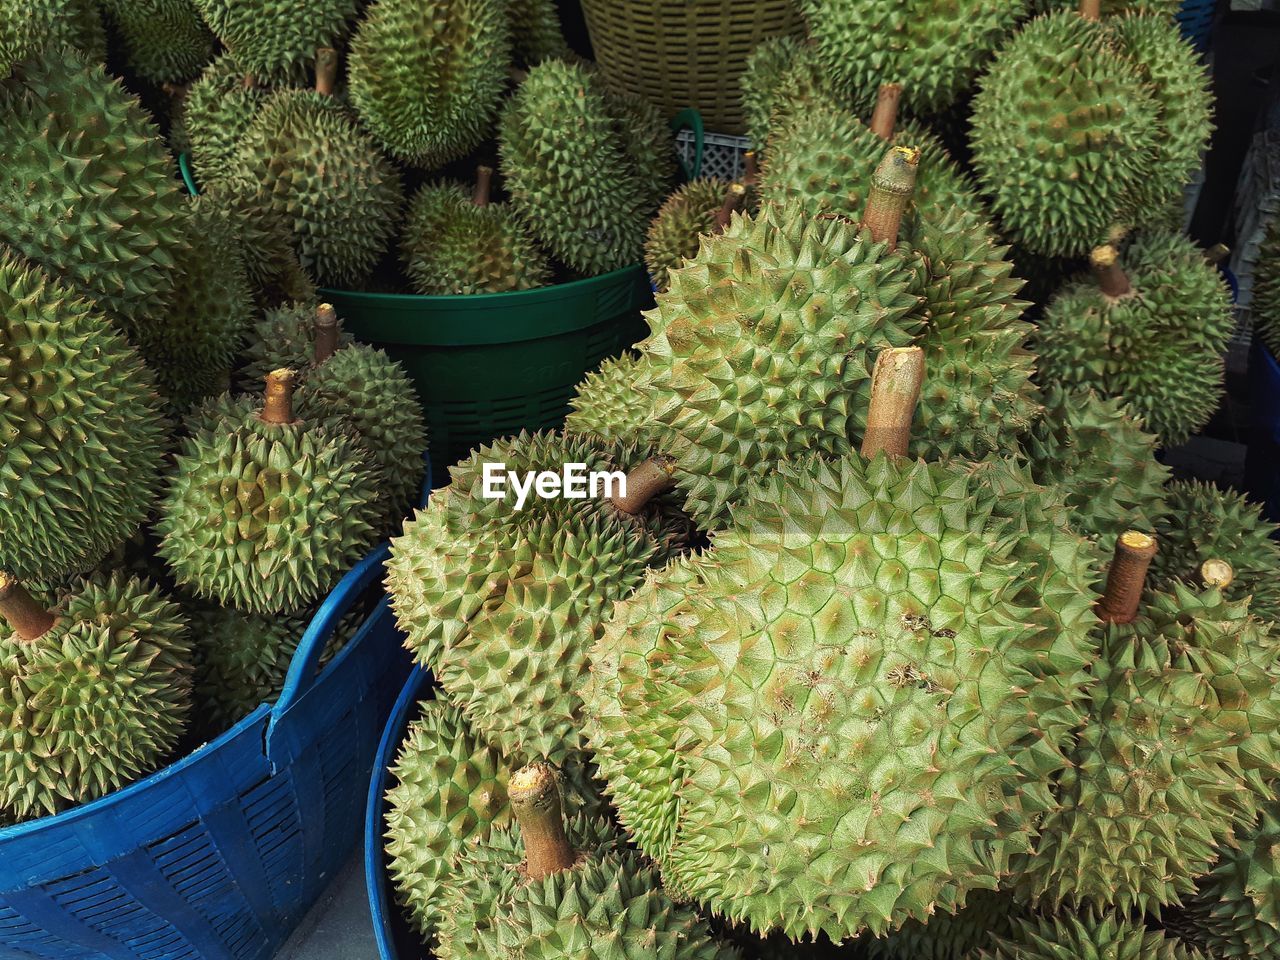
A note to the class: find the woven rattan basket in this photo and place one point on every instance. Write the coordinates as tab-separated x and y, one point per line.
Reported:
685	53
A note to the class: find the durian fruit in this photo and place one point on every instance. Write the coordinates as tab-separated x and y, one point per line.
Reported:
571	178
1065	135
88	190
455	244
27	26
987	914
608	404
267	514
935	53
646	136
548	896
696	208
219	107
450	793
284	337
425	76
164	41
1265	305
1152	331
1088	937
326	179
1201	522
360	386
1177	752
271	39
1102	461
83	439
783	76
536	32
96	691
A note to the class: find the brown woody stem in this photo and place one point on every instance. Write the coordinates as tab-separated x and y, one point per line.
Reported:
895	391
1217	573
484	184
892	185
534	793
1217	253
734	198
29	620
648	480
750	168
326	344
1112	280
1091	9
277	401
249	81
885	116
1125	579
326	70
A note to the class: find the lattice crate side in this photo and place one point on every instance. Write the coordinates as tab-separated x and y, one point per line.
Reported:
721	154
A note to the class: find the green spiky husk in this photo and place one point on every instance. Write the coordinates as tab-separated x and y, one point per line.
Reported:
987	914
536	32
218	109
165	41
609	405
645	134
273	39
783	77
27	26
284	337
1089	938
676	232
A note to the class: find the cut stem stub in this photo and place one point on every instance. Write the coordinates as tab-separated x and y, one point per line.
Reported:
534	793
1125	579
895	391
25	615
277	398
326	344
650	479
1217	573
734	198
326	70
484	185
892	186
1112	280
885	116
1091	9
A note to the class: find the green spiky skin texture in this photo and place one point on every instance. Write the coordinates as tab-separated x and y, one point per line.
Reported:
426	77
646	136
570	177
1088	938
1111	8
451	793
762	348
83	435
96	702
1102	461
1202	522
284	337
266	518
677	230
165	41
1180	742
362	386
949	936
272	39
27	26
452	246
536	32
1159	350
1065	132
935	53
842	716
783	76
1265	305
502	604
217	111
87	189
326	178
609	405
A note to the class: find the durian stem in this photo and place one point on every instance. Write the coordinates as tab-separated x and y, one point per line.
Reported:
1217	573
1125	579
326	333
734	198
29	620
885	116
648	480
750	168
249	81
1112	280
1091	9
277	401
326	70
535	799
1217	253
895	391
484	184
892	185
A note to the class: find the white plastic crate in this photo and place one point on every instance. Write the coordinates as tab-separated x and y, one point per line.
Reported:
721	154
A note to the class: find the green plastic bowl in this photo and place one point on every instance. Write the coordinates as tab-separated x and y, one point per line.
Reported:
493	364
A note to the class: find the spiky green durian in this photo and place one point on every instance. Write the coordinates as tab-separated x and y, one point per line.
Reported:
1065	131
271	39
87	189
1089	938
450	793
571	177
454	244
783	77
284	337
1202	522
536	32
1111	8
1102	460
326	179
842	716
677	230
361	386
1180	742
426	77
81	434
96	691
609	405
165	41
987	914
218	109
27	26
935	53
646	136
502	601
1265	305
266	514
1158	347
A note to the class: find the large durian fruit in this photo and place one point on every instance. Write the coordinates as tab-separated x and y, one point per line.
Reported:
563	892
83	436
783	77
460	244
87	189
285	336
266	513
1089	937
694	209
28	26
1265	305
425	76
164	41
96	692
271	38
1152	332
645	135
609	405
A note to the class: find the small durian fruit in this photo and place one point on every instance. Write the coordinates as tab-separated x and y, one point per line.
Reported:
284	337
609	405
1177	750
551	897
217	110
1265	305
273	40
1070	937
93	693
1152	332
459	244
28	26
783	77
695	209
536	32
268	513
646	136
164	41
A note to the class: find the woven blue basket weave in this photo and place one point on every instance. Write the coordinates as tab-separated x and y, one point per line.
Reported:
218	856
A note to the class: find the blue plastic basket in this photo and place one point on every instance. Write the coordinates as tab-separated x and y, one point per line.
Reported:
1195	20
218	856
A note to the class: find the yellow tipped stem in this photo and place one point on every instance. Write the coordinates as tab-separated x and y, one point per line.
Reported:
892	186
326	70
734	198
326	344
534	793
1217	573
1125	579
484	185
1112	280
277	400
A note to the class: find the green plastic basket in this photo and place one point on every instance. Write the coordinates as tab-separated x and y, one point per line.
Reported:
492	364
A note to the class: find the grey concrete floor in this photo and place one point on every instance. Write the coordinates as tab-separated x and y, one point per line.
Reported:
339	926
